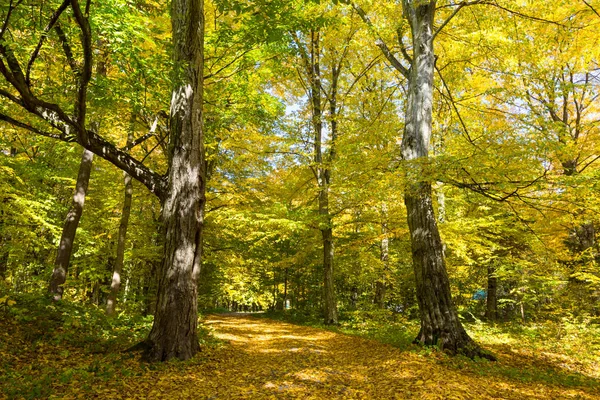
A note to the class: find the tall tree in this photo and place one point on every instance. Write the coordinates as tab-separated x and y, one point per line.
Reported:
181	191
440	325
174	333
311	57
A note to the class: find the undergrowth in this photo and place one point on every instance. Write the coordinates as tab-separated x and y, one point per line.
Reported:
46	346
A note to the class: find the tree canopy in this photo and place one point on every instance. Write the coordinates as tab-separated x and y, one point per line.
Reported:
437	160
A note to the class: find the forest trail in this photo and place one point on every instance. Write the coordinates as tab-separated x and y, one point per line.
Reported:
266	359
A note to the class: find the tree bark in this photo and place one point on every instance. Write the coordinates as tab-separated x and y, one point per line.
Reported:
440	325
311	56
3	263
174	332
285	289
65	248
491	310
380	284
323	180
115	284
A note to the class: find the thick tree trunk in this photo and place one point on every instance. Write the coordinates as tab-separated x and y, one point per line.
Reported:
115	284
63	257
491	310
174	333
440	325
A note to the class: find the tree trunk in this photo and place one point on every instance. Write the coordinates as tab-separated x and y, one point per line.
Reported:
174	332
440	325
491	311
285	290
63	257
380	284
3	263
311	54
323	180
329	299
150	290
115	284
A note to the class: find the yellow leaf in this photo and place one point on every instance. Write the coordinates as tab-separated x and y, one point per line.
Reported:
3	299
11	303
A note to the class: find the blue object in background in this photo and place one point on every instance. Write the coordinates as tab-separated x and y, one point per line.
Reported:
481	294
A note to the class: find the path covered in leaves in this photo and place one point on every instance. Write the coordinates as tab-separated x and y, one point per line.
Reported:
264	359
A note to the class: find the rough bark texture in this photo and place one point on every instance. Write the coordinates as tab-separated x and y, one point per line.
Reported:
115	284
491	310
174	333
440	325
65	248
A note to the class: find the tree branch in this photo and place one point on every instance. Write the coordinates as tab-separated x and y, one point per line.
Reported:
8	14
67	49
30	128
86	69
591	8
379	42
451	98
53	19
456	11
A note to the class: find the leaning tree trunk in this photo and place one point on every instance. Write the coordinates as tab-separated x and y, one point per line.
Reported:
115	284
63	257
440	325
174	332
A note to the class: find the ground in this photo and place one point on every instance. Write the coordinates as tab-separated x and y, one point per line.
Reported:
259	358
270	359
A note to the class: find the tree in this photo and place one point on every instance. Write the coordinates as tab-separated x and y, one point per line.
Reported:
440	325
65	247
115	284
181	191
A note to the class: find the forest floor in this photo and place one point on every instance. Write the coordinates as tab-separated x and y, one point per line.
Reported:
246	357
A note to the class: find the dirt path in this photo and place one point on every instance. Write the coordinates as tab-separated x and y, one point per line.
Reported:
265	359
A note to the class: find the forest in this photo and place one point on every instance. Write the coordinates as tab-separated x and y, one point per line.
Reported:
299	199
